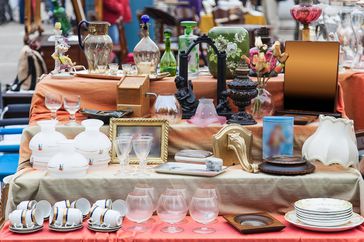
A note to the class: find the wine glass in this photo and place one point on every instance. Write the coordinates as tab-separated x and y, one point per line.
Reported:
150	191
139	208
209	191
182	190
53	102
172	208
142	146
123	148
72	105
204	209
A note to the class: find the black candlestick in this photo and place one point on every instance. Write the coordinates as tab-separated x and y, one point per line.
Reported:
242	90
222	107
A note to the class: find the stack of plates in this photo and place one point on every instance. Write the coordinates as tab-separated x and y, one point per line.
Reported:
324	212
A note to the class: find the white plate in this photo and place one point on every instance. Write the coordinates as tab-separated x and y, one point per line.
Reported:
45	207
65	229
96	228
187	169
26	230
323	223
324	217
332	215
120	206
355	221
323	205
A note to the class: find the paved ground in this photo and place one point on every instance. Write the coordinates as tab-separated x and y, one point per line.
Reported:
11	42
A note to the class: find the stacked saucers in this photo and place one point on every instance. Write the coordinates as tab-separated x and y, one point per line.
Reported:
323	212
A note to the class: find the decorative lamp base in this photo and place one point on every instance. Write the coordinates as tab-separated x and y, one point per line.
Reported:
242	118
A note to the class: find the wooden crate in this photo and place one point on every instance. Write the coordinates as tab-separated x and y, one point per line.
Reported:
131	93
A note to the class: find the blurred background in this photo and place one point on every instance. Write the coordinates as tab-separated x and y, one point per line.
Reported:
208	13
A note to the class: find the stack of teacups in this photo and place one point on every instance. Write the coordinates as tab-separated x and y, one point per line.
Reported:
26	220
323	212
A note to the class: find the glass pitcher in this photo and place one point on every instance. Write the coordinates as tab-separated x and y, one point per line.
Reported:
166	106
97	45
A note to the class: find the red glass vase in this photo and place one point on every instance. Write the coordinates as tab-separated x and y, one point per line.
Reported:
306	13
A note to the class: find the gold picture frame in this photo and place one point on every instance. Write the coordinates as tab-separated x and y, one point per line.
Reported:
159	129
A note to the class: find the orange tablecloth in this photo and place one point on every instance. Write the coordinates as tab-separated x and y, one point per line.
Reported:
223	233
100	94
352	84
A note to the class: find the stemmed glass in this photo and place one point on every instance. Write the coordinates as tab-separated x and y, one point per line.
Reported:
139	208
204	209
142	146
123	148
53	102
183	191
72	105
150	191
172	208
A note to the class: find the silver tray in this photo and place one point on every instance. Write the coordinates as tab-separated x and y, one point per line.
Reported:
189	169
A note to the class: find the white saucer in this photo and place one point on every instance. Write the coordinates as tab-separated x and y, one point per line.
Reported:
26	230
97	228
355	221
65	229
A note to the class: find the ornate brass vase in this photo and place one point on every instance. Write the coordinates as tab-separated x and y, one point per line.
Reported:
242	90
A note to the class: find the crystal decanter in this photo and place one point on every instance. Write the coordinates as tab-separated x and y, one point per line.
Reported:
146	52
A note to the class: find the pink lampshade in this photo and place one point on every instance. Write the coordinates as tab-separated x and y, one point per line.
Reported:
306	13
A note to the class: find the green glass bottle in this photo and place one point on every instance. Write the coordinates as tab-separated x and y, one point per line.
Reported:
168	62
184	42
61	16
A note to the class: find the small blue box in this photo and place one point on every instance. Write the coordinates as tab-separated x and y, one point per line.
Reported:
277	136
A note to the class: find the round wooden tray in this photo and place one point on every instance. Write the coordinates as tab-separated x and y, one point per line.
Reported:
285	160
288	170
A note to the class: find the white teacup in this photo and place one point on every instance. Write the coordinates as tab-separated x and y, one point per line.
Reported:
105	217
104	203
26	205
26	218
66	217
63	204
82	204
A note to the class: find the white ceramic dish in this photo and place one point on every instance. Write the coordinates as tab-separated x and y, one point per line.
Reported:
45	207
324	219
323	223
325	216
333	214
26	230
355	221
65	229
62	75
101	229
323	205
187	169
120	206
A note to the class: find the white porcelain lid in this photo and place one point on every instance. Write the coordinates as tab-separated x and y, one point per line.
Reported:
68	158
47	138
92	139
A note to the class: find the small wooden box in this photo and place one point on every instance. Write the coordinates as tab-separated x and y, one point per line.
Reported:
131	93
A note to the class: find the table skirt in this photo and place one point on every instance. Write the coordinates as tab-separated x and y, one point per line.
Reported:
224	232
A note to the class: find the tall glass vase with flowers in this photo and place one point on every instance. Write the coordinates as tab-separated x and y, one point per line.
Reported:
267	63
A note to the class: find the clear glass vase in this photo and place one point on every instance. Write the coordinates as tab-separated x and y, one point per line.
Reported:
262	105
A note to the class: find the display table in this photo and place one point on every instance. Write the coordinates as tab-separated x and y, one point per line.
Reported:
352	83
224	232
240	191
181	136
100	94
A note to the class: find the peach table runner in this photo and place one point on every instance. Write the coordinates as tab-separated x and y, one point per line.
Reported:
100	94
